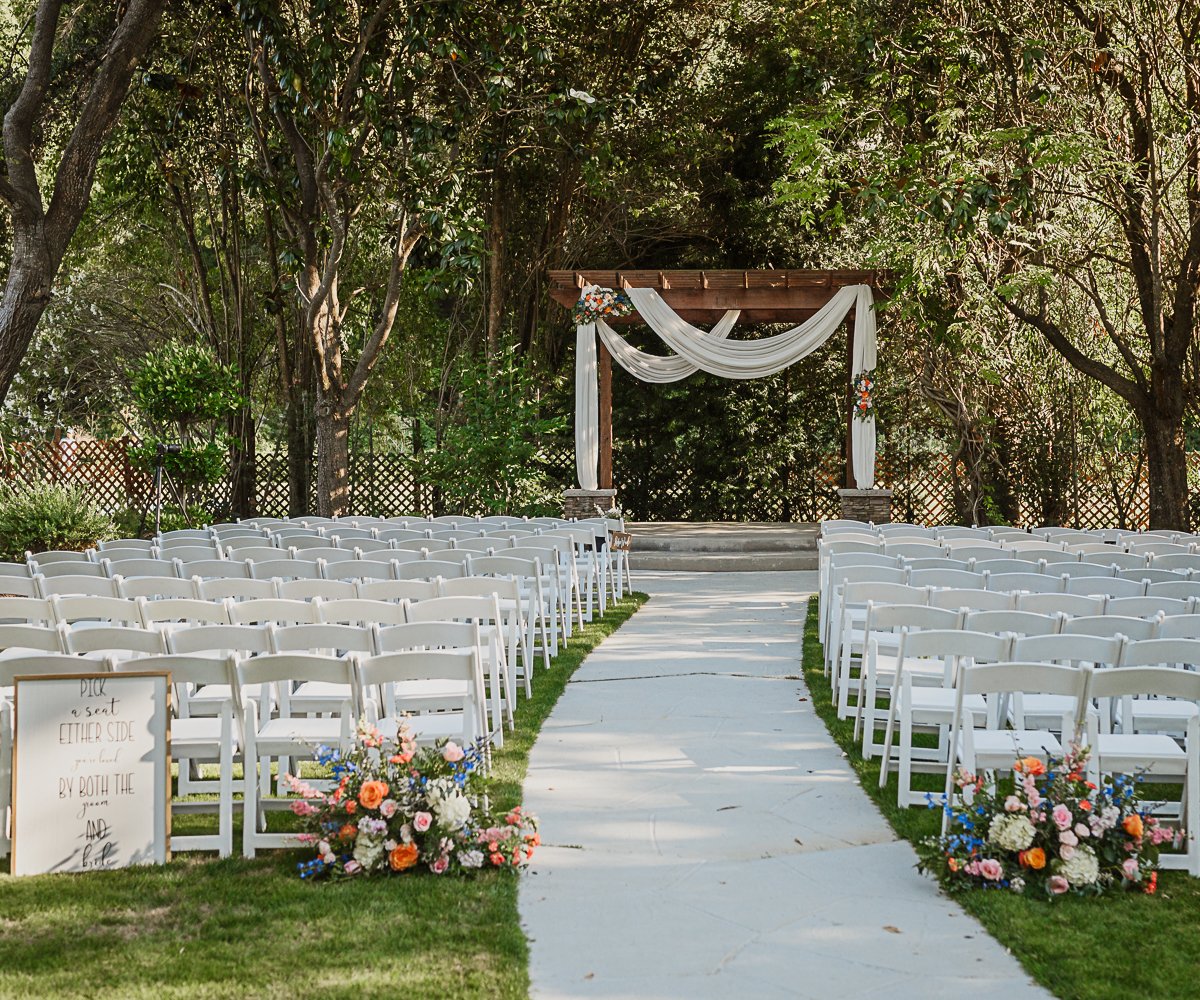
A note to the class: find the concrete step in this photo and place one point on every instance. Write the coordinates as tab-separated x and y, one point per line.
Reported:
722	562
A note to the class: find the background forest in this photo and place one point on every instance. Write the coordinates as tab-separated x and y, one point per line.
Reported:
309	241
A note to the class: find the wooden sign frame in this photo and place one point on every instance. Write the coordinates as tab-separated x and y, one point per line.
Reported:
162	856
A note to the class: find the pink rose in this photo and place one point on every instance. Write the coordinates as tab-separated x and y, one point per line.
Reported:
990	869
1081	830
387	808
452	753
1013	804
440	865
353	867
1061	816
1130	867
1066	852
422	821
1034	797
1068	838
1058	885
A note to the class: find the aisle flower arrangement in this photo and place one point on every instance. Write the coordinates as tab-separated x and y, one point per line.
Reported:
864	395
397	808
1054	833
600	303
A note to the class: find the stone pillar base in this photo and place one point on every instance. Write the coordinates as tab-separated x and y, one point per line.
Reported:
867	505
583	503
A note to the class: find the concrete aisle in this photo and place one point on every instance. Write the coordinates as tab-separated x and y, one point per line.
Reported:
705	838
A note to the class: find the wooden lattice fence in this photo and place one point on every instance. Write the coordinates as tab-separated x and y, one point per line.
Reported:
1110	493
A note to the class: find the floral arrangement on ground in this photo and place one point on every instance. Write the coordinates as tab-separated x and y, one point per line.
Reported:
598	303
397	808
1054	833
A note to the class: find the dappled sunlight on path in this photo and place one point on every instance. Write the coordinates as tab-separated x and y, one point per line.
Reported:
704	836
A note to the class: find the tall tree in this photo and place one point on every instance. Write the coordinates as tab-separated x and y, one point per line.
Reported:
96	52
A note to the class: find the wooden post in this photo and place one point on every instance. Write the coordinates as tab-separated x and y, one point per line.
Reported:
606	433
850	373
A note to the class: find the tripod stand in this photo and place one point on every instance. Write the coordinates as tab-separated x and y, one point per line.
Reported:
160	474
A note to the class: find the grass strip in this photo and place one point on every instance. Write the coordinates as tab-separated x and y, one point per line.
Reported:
1097	948
201	928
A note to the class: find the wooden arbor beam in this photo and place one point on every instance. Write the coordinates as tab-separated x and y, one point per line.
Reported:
704	296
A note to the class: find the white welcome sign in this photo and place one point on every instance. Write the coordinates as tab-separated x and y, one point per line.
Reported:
91	772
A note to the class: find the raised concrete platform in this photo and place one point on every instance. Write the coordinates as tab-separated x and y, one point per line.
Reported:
723	546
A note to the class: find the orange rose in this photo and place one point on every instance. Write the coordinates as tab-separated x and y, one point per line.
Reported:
1034	858
952	864
1132	825
1030	765
348	832
372	793
403	857
351	805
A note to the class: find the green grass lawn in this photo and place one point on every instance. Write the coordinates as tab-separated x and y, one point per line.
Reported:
200	927
1116	947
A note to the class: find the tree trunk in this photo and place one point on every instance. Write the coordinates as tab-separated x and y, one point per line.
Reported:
1168	470
243	471
300	445
26	296
333	454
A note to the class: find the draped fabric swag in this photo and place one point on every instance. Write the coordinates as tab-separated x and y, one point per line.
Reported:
711	351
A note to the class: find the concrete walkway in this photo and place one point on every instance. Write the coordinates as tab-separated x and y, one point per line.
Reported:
705	838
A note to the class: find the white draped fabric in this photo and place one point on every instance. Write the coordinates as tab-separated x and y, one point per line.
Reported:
652	367
713	353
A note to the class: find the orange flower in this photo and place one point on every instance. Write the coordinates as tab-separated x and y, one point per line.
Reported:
403	857
348	832
1034	858
952	864
1030	765
372	793
1085	805
351	805
1132	825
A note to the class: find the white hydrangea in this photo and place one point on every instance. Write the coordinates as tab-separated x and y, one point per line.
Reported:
451	807
1011	831
368	850
1082	868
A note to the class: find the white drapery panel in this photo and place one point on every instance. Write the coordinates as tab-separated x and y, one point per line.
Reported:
651	367
587	407
712	353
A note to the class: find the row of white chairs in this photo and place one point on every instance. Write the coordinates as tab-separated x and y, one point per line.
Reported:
435	684
1055	534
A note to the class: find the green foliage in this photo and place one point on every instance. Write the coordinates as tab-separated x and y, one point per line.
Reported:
183	384
182	391
39	517
488	458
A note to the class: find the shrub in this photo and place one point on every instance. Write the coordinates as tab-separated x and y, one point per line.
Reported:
42	516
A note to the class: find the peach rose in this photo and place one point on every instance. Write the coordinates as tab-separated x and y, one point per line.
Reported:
403	857
1132	825
452	753
1034	858
1031	765
372	794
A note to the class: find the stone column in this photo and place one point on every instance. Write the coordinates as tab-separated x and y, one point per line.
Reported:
867	505
583	503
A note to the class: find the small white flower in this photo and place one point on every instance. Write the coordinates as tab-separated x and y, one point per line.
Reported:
581	95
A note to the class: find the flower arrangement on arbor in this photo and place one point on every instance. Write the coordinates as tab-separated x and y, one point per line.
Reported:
1054	833
600	303
864	395
396	808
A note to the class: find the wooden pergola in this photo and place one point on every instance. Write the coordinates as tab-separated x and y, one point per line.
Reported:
763	296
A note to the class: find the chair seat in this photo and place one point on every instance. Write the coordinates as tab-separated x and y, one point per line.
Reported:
322	691
922	670
1006	745
1162	713
426	728
286	736
198	738
1130	752
1044	706
940	701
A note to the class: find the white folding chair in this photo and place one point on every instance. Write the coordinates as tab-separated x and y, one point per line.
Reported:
359	611
995	747
283	738
199	740
155	588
